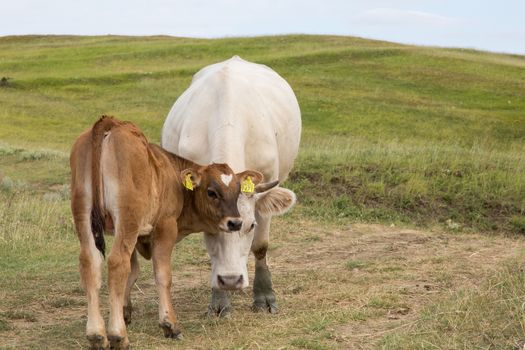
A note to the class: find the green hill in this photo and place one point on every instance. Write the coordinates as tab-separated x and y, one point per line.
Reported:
391	132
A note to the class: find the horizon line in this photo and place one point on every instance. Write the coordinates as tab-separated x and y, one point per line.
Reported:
268	35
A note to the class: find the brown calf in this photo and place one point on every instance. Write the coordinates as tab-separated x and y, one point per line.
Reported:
150	199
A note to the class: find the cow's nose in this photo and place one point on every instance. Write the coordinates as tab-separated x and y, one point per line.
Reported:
234	224
230	281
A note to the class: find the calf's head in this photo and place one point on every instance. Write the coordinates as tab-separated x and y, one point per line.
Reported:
229	251
216	189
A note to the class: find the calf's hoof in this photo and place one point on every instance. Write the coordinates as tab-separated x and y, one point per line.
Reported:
170	330
98	342
220	304
265	303
118	343
127	314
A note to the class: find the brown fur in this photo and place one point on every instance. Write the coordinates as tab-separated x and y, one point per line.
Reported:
149	209
260	253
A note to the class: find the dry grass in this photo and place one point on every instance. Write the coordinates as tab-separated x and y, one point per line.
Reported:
337	287
486	315
28	217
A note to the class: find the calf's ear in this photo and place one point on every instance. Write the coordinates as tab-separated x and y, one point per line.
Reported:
275	201
190	179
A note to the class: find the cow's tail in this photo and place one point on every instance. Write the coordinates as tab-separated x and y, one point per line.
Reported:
101	127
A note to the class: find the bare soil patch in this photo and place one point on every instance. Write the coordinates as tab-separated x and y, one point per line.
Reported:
337	288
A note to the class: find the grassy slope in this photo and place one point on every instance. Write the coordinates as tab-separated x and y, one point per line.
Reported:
391	133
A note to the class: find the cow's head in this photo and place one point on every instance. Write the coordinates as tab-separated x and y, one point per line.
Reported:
229	251
216	189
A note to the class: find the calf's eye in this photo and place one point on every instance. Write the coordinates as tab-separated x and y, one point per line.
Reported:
212	194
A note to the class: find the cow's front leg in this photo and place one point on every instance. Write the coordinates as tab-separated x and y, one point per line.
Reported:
219	304
163	243
263	294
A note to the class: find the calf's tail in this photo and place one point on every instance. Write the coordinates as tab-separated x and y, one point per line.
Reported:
101	127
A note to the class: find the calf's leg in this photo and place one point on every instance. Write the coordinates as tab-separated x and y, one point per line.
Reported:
119	268
132	278
163	243
90	265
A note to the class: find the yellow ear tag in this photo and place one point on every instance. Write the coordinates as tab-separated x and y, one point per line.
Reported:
187	182
247	185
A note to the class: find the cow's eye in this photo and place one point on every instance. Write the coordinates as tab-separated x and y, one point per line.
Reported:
212	194
253	226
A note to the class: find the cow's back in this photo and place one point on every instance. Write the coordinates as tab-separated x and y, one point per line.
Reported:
239	113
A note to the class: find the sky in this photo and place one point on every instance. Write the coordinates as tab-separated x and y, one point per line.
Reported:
488	25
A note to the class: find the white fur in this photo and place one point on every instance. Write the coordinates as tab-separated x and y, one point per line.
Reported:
226	179
110	186
229	251
243	114
240	113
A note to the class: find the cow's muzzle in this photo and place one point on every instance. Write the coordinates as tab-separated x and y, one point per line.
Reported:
234	225
230	282
231	224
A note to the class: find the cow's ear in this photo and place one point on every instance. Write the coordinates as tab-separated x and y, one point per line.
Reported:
256	176
248	180
275	201
190	179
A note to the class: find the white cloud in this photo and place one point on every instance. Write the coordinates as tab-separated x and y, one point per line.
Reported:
394	17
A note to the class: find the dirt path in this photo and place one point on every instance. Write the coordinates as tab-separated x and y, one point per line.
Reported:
337	288
390	274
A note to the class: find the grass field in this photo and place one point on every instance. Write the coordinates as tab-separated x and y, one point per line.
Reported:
429	142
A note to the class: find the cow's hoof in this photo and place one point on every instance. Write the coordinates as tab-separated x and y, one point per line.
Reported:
98	342
217	310
265	303
171	331
263	295
220	304
127	313
118	343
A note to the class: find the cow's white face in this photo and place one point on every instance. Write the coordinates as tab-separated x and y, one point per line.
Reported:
229	251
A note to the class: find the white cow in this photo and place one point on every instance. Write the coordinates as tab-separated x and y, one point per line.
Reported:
243	114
